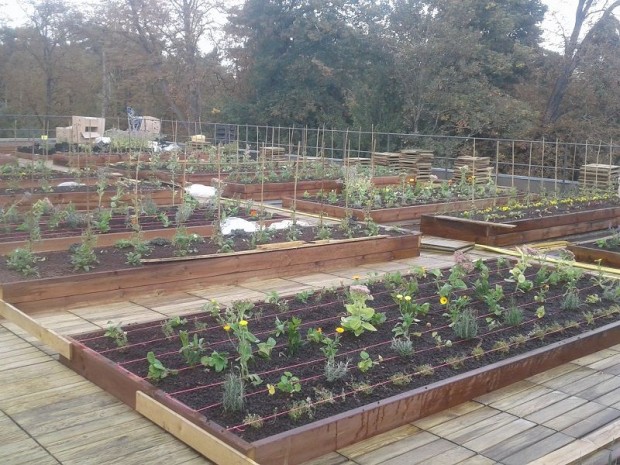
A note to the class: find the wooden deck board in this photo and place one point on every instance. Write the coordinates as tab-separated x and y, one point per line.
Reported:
446	415
431	453
574	416
555	410
452	428
25	451
517	443
546	399
498	435
592	423
394	449
537	449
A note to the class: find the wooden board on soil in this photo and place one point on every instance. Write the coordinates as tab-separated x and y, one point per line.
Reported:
520	231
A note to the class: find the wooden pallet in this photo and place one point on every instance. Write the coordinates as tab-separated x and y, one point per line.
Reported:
273	153
478	167
598	175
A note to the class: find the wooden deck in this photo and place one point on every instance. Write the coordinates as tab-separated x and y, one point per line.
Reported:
49	414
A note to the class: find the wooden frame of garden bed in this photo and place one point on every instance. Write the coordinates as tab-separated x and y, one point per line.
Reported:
389	215
281	190
327	435
185	273
593	255
520	231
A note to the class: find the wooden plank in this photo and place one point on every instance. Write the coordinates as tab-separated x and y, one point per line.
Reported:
195	437
30	325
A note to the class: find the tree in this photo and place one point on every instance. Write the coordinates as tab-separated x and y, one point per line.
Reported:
575	46
297	61
457	63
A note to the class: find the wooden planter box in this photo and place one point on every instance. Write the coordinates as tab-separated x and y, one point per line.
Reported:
327	435
28	182
166	176
520	231
84	200
270	261
389	215
281	190
277	190
593	255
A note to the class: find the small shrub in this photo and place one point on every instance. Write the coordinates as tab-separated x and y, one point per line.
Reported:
324	395
571	300
362	388
477	352
233	398
425	370
23	261
456	362
402	346
301	408
335	370
466	325
400	379
502	347
513	316
519	340
253	420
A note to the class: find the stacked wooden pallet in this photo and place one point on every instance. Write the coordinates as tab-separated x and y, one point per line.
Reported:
390	159
599	176
359	161
417	163
273	153
478	167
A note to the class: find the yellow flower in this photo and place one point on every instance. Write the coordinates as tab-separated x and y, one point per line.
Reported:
356	277
243	323
271	389
443	300
399	296
226	327
319	330
407	298
340	330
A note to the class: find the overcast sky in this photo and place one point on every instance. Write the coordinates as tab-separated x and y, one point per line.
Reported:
561	12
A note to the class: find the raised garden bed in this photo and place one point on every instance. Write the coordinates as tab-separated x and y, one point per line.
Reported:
581	219
444	370
605	252
388	215
282	190
111	279
84	197
57	235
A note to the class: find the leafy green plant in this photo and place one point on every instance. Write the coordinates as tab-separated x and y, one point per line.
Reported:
185	243
24	261
401	379
360	316
366	362
290	328
253	420
191	350
335	370
265	348
171	324
157	370
300	408
288	383
83	256
116	333
217	360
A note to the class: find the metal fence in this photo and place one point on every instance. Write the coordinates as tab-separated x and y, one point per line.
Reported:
558	161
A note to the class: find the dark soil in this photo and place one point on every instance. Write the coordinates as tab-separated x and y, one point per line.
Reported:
55	264
202	389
